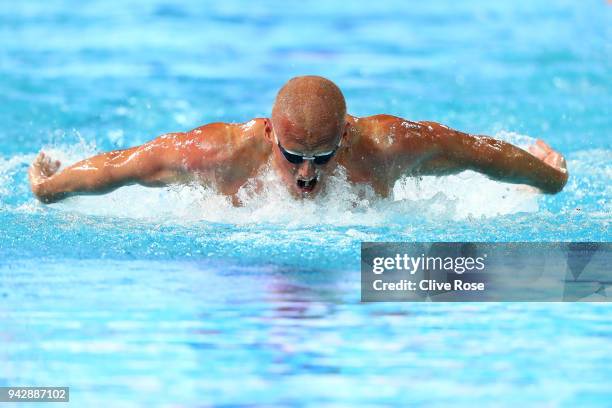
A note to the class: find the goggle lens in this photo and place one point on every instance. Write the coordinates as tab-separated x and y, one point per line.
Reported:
298	159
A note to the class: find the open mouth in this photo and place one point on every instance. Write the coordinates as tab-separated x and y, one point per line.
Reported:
307	185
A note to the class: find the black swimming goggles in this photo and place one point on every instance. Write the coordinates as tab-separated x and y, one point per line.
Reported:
298	158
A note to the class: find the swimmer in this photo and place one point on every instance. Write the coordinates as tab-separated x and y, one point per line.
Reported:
307	136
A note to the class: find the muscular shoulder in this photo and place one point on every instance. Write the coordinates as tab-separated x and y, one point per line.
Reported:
377	142
385	130
229	134
369	143
223	141
373	136
229	152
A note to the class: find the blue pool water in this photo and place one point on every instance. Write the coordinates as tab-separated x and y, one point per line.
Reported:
172	297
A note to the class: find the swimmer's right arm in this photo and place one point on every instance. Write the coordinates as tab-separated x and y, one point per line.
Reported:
156	163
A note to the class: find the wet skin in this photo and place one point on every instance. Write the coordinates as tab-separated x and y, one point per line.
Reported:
377	150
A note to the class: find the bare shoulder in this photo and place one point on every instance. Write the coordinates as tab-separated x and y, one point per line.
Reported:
381	145
249	138
229	153
371	142
218	140
383	132
380	119
229	134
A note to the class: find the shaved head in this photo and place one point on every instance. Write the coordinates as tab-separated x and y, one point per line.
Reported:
309	111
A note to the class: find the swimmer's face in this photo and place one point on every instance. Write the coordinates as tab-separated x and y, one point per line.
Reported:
303	159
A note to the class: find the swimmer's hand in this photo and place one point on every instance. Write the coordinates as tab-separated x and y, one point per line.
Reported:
545	153
42	168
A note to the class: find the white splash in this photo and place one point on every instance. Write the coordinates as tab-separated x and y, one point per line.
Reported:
340	203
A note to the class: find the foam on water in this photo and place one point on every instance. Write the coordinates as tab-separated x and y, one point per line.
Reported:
341	203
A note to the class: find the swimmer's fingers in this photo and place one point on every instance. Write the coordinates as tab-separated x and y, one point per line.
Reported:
543	145
54	166
545	153
44	165
538	151
37	164
39	158
552	158
556	160
34	173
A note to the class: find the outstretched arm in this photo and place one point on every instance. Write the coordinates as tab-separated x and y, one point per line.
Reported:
156	163
446	151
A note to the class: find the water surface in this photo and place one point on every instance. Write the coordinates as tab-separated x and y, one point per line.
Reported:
173	297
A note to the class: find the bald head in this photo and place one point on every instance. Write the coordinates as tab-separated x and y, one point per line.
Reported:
309	110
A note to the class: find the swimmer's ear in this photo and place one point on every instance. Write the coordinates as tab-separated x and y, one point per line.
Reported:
268	130
345	133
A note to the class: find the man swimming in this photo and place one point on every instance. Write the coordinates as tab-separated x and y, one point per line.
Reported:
308	135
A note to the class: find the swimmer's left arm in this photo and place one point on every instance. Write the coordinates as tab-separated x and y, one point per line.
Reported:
446	151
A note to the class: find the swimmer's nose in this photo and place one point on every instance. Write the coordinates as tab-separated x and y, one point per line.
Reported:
306	170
